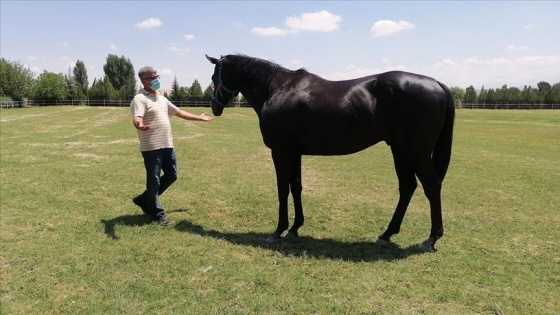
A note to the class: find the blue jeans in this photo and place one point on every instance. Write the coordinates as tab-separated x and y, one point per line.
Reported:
155	162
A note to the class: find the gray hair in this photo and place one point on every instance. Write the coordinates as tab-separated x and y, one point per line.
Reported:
145	71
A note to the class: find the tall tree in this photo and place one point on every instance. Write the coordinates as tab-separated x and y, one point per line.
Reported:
458	95
175	90
71	84
545	92
120	73
209	92
50	86
81	79
195	91
15	80
555	92
482	96
102	90
470	95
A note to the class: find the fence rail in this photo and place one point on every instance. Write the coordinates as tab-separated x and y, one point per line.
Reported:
126	103
510	106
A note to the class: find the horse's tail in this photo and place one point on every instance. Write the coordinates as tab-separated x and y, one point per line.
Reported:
442	150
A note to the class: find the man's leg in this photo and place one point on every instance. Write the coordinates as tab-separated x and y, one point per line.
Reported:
169	168
153	162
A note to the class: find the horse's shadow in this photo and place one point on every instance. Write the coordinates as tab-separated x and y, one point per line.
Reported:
128	220
309	247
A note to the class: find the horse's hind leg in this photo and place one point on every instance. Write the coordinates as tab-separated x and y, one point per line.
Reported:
432	189
407	186
295	189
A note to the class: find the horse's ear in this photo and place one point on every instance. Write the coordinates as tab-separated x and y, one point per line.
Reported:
211	59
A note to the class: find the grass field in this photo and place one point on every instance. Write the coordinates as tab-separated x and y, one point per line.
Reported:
72	242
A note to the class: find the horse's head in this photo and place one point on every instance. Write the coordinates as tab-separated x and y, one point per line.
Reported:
222	95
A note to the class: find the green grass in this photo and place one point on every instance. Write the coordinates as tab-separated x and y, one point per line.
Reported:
72	242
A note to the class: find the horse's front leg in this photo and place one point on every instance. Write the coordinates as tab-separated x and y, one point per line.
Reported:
281	164
296	188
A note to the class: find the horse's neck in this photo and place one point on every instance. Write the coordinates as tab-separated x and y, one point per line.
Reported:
255	101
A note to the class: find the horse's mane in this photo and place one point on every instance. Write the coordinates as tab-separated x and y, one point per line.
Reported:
258	70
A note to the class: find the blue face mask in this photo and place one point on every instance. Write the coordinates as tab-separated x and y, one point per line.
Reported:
155	85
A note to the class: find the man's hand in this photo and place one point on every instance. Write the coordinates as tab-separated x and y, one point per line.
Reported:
143	127
138	123
206	118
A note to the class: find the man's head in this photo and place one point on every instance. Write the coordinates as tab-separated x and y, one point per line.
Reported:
149	78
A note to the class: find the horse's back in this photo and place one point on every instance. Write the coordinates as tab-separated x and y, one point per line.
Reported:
322	117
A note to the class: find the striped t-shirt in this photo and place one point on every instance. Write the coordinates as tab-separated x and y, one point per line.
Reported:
155	111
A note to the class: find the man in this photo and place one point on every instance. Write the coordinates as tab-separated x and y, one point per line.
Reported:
151	112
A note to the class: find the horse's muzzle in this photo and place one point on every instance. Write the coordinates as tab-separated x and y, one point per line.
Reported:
217	108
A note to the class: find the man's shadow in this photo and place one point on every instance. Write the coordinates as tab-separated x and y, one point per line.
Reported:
309	247
128	220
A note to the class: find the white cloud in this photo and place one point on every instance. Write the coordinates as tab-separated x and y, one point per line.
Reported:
270	31
32	58
188	36
495	72
178	48
64	43
513	48
149	23
297	62
475	71
165	71
322	21
353	72
528	26
113	47
388	27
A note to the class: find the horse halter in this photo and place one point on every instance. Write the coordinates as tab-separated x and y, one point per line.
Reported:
221	88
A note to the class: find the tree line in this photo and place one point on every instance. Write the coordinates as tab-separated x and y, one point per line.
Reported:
119	83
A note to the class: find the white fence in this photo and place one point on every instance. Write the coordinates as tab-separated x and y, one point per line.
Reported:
111	103
126	103
509	106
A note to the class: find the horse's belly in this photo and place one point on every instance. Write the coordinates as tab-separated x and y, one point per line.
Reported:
338	144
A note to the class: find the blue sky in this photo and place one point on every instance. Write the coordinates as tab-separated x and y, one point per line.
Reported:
460	43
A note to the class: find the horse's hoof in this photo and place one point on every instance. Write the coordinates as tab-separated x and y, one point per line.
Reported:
274	239
291	235
382	242
426	247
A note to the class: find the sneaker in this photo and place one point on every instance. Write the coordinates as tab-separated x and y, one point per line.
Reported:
139	201
161	221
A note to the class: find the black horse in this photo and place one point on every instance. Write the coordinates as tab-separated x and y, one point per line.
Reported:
301	113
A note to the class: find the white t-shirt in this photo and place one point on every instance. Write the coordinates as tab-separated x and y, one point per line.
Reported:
155	111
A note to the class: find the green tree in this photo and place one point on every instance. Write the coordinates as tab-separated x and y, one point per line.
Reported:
15	80
458	95
50	86
470	95
102	90
175	88
482	96
555	92
491	97
513	95
195	91
71	84
81	82
209	92
545	92
184	93
120	73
